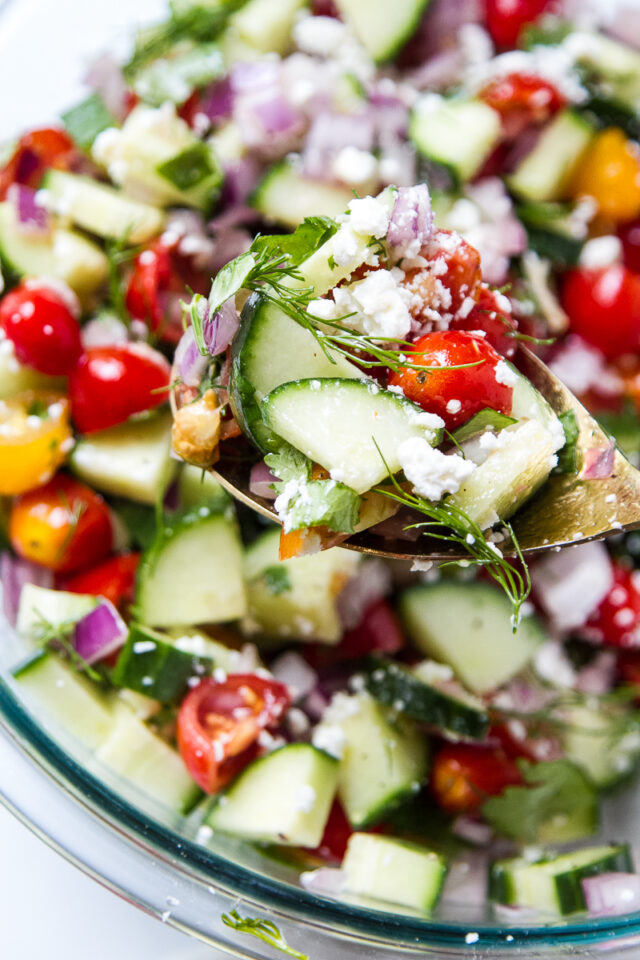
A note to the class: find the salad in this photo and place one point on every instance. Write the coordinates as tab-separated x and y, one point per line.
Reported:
304	237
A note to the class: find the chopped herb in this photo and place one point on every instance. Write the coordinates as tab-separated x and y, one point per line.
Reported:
265	930
298	246
86	120
190	167
277	580
569	454
52	636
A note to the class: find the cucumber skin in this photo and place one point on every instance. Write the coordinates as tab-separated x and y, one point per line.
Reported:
244	405
167	666
402	38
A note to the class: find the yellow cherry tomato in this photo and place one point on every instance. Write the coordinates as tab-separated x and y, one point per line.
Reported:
610	173
35	438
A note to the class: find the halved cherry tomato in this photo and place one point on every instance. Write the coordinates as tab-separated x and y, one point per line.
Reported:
43	328
63	526
522	99
455	395
629	233
616	622
610	173
506	19
34	440
452	278
604	307
335	838
492	315
379	631
110	384
114	579
34	153
464	775
219	723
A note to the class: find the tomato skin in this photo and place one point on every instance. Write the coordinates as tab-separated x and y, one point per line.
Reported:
473	387
492	315
507	18
110	384
460	276
44	331
464	775
603	306
151	275
219	724
629	234
114	579
609	172
522	99
32	447
34	153
335	838
63	525
616	622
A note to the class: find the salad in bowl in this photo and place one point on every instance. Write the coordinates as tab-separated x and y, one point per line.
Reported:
313	242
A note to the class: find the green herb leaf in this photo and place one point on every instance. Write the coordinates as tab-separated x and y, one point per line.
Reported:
277	580
265	930
190	167
140	521
299	245
287	463
481	421
86	120
323	503
568	455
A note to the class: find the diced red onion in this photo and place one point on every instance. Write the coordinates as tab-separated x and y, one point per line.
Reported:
261	480
612	894
515	915
474	831
103	331
171	499
439	29
217	103
411	222
598	677
28	162
189	362
315	704
240	180
233	216
105	78
598	462
263	114
521	147
329	134
439	72
572	583
325	880
294	671
100	633
500	235
31	216
14	574
399	526
220	329
371	583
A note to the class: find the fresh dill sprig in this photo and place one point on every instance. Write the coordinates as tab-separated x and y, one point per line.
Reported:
58	635
265	930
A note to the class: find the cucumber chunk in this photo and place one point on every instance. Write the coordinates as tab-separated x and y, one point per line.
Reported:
56	607
460	134
384	757
469	627
600	742
545	173
153	664
283	797
261	26
14	377
130	460
296	599
350	427
615	65
382	35
193	572
284	196
553	886
394	870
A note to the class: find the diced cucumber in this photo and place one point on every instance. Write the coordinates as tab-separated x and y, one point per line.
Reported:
55	607
545	173
486	419
614	64
469	627
553	886
130	460
296	599
150	663
529	404
350	427
87	119
269	349
102	209
509	476
193	572
284	196
415	694
552	232
63	254
384	757
14	377
263	26
460	134
197	486
68	697
382	35
283	797
604	742
394	870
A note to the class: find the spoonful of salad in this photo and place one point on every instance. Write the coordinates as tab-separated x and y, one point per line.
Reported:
374	393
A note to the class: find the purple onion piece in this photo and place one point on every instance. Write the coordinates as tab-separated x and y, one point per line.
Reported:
598	462
190	365
329	134
612	894
411	222
31	215
261	480
218	101
28	163
220	329
14	574
100	633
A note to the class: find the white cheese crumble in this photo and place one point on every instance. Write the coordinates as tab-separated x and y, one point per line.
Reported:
431	472
601	252
305	798
353	166
505	375
454	406
376	305
369	216
330	738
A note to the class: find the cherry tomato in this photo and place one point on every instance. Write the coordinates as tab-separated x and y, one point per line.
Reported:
43	328
63	526
219	723
110	384
34	153
616	622
35	438
604	308
492	315
379	631
452	277
610	173
629	233
521	100
455	395
335	838
507	18
464	775
114	579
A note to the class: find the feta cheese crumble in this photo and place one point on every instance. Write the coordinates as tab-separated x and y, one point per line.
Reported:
431	472
376	305
354	166
505	375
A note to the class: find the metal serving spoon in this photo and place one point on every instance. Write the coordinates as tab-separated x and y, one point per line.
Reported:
567	510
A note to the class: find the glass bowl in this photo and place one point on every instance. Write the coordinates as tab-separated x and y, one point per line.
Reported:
120	837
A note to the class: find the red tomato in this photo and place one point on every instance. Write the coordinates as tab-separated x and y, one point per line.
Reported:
455	395
110	384
629	233
44	331
604	307
464	775
521	100
629	669
507	18
453	276
63	526
114	579
616	622
336	835
219	723
491	314
379	631
34	153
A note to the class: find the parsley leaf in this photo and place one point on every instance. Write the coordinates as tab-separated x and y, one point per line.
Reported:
299	245
287	463
277	580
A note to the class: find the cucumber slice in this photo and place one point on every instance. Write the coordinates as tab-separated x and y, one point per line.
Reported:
150	663
469	627
296	599
131	460
415	694
193	572
394	870
382	35
283	797
87	119
102	209
14	378
554	885
56	607
257	367
551	231
350	427
545	173
600	742
384	757
63	254
460	134
614	64
263	26
284	196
